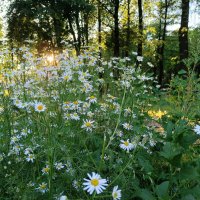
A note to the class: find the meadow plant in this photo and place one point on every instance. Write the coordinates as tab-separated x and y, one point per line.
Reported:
61	138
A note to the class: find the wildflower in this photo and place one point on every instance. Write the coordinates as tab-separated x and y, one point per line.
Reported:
150	64
74	116
63	197
6	93
135	53
116	194
59	166
75	184
17	103
42	187
92	99
197	129
156	114
127	126
139	58
126	145
67	77
40	107
127	112
14	139
88	125
30	157
28	151
45	170
90	114
94	183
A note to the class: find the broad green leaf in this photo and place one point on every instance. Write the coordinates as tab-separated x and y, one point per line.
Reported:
162	190
144	194
170	151
189	173
188	197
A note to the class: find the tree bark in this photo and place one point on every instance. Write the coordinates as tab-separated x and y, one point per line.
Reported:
140	27
116	36
128	29
183	34
162	47
116	28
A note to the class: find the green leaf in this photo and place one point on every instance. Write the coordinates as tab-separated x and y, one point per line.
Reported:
144	194
189	173
145	164
188	140
162	190
188	197
182	72
170	150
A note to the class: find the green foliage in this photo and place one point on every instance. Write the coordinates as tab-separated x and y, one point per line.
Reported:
131	133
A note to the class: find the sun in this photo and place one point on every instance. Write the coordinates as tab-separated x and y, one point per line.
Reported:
50	58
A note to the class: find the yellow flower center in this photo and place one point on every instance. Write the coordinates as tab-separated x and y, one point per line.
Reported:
76	102
40	107
46	169
88	124
115	195
92	97
43	186
66	78
94	182
126	143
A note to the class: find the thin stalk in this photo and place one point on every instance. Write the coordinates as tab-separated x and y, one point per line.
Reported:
118	120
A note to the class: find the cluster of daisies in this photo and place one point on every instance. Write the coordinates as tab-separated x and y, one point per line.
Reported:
69	91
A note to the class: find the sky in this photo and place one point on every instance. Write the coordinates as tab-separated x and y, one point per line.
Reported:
194	19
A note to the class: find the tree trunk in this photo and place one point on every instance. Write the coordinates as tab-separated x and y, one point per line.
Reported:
183	34
140	27
99	28
162	47
73	35
99	43
116	36
116	29
128	29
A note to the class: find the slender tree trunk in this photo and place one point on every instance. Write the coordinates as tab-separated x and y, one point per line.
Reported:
99	28
116	36
162	47
78	30
183	34
140	27
128	29
86	29
116	29
99	43
73	35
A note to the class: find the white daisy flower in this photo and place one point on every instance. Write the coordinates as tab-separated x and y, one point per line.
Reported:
63	197
126	145
88	125
139	58
95	183
197	129
45	170
28	151
92	99
74	116
59	166
30	158
39	107
135	53
127	126
43	187
116	194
